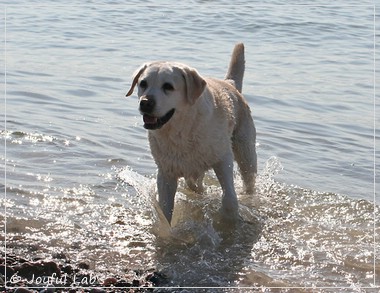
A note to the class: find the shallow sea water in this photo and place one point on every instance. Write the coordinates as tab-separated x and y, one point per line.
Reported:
79	178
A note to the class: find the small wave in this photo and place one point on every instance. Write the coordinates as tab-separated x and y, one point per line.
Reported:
18	137
81	93
21	137
35	96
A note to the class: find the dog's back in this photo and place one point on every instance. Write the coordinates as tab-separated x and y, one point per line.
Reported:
235	72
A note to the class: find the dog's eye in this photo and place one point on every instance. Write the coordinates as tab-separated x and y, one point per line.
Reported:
167	87
143	84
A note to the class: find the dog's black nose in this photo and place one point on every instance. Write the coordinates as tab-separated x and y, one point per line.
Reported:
147	105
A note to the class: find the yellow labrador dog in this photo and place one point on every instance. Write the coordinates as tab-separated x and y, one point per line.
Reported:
196	124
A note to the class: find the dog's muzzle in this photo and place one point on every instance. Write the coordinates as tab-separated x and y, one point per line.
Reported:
147	105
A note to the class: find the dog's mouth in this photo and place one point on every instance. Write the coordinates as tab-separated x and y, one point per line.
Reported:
151	122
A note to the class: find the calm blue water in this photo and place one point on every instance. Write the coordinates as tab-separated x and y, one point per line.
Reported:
78	163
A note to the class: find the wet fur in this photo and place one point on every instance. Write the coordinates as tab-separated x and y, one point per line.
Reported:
211	127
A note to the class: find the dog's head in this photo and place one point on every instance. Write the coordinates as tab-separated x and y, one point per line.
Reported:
163	88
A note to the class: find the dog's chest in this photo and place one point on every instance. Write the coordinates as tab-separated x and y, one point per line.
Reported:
185	157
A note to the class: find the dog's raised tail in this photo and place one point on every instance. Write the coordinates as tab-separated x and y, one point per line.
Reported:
236	68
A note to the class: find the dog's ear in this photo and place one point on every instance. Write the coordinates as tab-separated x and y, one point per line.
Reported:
195	84
136	76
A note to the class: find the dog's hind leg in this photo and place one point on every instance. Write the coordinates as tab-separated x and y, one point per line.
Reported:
224	172
244	147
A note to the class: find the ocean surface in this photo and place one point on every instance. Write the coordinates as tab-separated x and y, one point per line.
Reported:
79	178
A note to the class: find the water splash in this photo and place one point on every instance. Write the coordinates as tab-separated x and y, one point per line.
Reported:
287	236
266	183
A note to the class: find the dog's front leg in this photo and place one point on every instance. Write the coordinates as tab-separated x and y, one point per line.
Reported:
167	187
224	172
